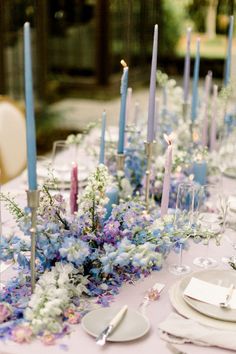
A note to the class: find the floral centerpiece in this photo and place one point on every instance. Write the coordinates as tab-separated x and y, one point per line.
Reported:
81	259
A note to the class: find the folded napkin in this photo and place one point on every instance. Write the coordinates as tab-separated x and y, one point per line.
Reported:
210	293
179	330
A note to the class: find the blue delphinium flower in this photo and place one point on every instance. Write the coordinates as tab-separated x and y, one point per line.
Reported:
74	250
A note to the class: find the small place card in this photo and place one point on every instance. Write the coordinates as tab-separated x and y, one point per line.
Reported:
210	293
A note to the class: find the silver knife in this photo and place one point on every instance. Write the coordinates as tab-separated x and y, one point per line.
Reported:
102	337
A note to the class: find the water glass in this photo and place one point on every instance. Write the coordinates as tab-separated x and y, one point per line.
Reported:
61	163
211	220
184	214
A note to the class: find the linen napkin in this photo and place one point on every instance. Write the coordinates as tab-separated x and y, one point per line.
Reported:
180	330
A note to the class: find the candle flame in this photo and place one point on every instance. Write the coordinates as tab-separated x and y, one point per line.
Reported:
123	63
169	138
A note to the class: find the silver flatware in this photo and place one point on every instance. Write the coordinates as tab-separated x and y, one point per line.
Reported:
102	337
225	304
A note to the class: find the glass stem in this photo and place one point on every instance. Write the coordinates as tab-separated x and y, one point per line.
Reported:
180	255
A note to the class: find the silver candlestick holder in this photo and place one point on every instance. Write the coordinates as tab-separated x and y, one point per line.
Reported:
120	162
149	153
33	203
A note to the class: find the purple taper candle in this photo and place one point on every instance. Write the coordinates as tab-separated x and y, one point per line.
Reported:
213	119
152	89
156	117
128	106
187	67
167	176
208	81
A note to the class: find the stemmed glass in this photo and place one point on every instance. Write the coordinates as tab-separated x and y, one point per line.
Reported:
61	162
184	214
211	220
230	237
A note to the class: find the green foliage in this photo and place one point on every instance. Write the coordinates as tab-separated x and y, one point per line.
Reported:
170	20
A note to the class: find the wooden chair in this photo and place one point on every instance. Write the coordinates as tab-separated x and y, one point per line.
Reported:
12	139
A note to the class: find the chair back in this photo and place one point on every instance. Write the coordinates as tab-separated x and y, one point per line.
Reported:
12	140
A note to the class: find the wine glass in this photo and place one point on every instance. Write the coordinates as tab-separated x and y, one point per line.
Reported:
230	237
211	221
61	162
184	213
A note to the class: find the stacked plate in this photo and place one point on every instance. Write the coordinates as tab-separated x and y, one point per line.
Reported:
204	313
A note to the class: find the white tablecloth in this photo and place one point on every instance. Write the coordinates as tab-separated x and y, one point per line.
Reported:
81	342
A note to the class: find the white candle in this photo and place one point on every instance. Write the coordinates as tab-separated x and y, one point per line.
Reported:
213	119
208	81
167	176
136	113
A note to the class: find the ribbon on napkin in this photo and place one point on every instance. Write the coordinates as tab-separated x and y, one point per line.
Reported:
179	330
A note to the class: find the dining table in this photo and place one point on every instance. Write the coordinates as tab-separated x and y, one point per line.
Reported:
132	295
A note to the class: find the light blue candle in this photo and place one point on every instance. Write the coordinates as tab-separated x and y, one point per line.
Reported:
102	142
112	193
200	172
228	57
195	82
29	105
187	67
123	92
152	89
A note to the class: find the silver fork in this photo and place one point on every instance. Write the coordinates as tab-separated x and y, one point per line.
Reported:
225	304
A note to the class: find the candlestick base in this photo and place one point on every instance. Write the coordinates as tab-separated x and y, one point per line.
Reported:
120	162
149	153
185	107
33	203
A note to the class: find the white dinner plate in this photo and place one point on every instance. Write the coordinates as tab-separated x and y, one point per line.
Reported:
232	203
230	172
183	308
133	326
222	277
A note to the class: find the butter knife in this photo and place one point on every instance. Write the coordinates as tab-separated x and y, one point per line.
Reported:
102	337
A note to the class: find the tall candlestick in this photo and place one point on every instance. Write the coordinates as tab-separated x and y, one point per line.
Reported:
123	91
229	49
167	176
187	67
156	117
195	82
152	89
208	81
74	189
102	142
213	119
128	106
29	105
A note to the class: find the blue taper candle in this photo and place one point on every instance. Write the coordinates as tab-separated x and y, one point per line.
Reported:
123	92
102	142
187	67
229	49
195	82
152	89
29	105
